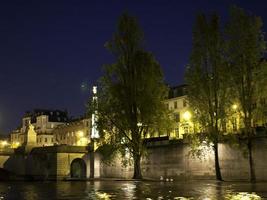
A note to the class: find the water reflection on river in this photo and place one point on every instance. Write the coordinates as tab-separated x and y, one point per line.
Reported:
202	190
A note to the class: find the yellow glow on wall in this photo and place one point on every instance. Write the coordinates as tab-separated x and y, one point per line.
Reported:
187	116
15	145
4	143
80	134
83	141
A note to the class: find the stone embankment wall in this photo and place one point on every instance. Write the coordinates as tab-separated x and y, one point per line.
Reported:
175	161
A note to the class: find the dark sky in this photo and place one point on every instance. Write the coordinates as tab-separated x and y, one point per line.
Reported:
49	49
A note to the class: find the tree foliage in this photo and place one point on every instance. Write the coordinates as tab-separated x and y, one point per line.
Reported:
245	50
206	78
131	93
227	69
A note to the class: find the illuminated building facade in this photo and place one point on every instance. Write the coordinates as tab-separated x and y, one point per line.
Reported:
75	133
177	103
43	121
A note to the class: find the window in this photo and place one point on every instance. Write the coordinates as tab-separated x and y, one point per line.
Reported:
234	124
184	103
167	105
177	117
45	140
175	105
186	129
26	122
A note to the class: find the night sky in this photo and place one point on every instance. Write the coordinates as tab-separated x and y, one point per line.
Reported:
52	53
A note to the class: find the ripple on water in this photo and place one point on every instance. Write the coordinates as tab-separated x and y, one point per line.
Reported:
115	190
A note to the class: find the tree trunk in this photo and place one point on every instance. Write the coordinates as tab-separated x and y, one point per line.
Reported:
137	167
251	163
217	164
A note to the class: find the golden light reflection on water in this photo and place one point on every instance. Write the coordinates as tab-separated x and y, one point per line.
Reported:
116	190
243	196
129	190
103	195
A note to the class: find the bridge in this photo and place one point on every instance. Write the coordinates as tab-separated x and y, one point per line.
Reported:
49	163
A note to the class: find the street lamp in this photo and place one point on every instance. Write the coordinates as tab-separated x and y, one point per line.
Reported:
187	115
234	106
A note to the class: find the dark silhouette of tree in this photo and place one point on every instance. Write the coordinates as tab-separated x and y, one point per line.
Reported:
207	85
131	94
245	49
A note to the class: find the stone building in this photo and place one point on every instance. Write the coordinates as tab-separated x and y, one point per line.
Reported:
77	132
43	121
177	103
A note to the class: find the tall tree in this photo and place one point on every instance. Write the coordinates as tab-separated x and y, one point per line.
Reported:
206	79
131	93
245	49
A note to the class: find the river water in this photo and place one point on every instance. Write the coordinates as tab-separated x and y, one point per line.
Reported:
122	190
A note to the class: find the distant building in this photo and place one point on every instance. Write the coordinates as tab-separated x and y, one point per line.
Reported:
177	102
4	141
76	132
43	121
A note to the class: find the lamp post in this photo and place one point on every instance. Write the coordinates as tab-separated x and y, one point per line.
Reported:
94	133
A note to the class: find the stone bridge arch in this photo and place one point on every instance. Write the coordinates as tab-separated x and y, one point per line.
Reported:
78	168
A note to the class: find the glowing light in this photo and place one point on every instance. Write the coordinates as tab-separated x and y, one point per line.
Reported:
4	143
94	133
103	195
15	145
80	134
94	89
243	196
82	141
187	115
234	107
